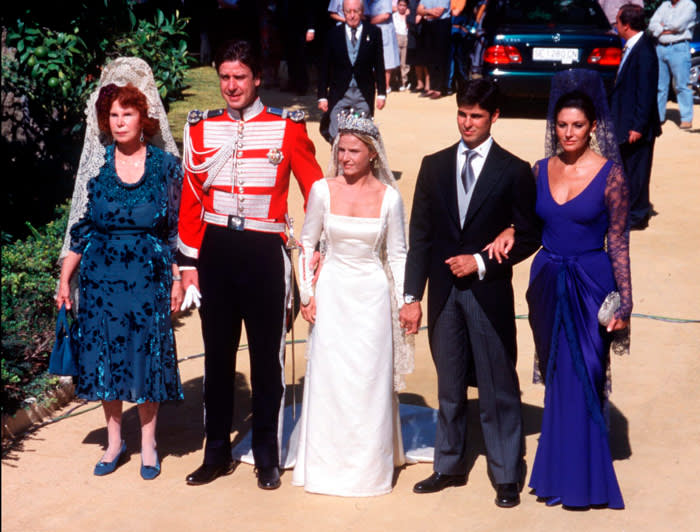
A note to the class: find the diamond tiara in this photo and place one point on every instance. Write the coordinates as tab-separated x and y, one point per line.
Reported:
351	121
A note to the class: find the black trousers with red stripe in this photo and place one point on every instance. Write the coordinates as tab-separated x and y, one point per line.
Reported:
242	277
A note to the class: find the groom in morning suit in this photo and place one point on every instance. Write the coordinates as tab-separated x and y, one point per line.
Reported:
465	196
351	68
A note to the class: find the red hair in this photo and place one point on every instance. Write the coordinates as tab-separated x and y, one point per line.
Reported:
127	96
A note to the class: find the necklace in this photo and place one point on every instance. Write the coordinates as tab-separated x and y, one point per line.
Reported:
138	162
135	160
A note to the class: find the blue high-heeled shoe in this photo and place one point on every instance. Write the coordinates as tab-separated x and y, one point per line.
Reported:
553	501
150	472
105	468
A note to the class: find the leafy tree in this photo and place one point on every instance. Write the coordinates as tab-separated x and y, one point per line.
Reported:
50	65
51	60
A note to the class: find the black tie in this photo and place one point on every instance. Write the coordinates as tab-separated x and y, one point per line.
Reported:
353	36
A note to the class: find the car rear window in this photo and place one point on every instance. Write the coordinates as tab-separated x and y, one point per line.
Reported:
545	13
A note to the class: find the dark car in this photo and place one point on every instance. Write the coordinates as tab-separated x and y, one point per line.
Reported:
521	44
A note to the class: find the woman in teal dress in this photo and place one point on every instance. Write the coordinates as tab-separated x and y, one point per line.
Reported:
124	247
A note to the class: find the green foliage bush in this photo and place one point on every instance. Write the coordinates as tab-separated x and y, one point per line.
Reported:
29	274
56	70
162	45
49	68
47	77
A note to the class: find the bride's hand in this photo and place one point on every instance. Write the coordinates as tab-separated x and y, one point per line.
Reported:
316	263
501	245
308	312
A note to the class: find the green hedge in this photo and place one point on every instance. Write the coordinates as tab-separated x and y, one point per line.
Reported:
29	274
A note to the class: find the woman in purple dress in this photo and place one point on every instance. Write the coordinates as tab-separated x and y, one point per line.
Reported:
582	200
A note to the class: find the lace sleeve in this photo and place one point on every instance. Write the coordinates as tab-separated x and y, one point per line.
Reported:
80	231
394	262
173	180
617	202
536	170
310	235
396	244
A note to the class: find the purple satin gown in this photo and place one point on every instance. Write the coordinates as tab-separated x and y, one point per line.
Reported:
569	279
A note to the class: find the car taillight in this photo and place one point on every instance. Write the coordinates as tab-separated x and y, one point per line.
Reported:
605	56
500	54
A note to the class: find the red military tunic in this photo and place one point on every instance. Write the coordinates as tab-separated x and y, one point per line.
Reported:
237	172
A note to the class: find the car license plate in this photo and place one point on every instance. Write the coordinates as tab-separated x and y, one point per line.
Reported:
563	55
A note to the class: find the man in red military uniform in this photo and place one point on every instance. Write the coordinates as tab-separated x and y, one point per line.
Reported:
232	221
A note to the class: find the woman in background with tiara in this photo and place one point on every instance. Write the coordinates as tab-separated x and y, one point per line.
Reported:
121	240
348	439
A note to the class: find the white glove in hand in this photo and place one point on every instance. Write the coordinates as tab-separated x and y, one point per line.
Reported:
192	296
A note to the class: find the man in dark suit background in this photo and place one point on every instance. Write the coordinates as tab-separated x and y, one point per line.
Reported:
298	21
465	196
351	67
635	111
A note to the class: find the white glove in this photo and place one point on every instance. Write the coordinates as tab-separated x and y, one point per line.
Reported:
192	296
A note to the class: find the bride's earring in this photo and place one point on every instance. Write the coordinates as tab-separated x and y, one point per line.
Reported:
141	137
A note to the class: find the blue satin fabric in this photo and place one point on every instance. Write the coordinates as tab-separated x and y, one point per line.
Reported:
569	280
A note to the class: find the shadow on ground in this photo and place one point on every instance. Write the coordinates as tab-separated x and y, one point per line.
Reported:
181	425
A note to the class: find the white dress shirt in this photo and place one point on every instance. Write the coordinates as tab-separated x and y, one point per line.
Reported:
679	19
628	48
348	32
464	197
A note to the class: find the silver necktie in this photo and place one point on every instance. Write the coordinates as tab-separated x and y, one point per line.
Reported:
467	175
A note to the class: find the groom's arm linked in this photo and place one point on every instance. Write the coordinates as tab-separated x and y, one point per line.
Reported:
432	239
528	227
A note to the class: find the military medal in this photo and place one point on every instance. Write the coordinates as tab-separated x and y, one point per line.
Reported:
275	156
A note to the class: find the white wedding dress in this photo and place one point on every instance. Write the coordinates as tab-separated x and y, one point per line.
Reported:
348	439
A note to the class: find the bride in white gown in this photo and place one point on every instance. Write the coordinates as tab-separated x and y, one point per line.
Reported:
348	439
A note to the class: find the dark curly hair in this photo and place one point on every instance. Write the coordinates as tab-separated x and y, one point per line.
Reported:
127	96
241	51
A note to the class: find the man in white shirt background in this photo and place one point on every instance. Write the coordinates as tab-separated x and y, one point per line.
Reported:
672	25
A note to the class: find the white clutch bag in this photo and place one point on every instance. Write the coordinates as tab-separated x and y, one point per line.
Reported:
607	310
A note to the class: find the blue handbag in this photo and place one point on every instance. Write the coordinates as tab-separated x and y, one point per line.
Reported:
64	357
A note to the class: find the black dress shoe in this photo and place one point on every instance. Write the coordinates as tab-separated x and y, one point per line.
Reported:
205	473
507	495
437	482
269	478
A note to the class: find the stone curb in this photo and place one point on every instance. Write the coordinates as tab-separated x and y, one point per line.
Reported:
14	425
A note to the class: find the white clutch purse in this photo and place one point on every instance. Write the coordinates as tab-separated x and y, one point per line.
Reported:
607	310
